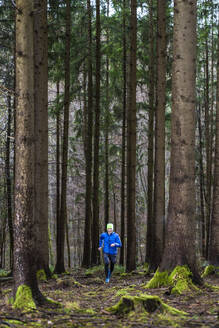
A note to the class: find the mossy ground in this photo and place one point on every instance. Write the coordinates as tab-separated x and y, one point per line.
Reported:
84	301
210	270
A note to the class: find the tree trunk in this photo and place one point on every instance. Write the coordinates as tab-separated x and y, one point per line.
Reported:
106	193
60	261
150	219
213	255
68	244
207	149
95	229
114	211
88	150
121	261
41	132
159	176
8	183
57	156
2	243
180	248
131	148
25	251
14	111
201	183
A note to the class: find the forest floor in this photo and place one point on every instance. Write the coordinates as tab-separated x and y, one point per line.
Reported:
85	300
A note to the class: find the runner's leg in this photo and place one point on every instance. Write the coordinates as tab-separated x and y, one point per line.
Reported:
112	262
106	263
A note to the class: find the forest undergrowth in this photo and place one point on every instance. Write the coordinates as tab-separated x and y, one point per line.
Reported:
85	301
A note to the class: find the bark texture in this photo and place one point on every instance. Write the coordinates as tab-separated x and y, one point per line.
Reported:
180	248
41	131
57	155
95	228
131	147
159	170
106	194
207	149
213	255
25	252
150	218
61	224
8	181
123	170
88	150
201	183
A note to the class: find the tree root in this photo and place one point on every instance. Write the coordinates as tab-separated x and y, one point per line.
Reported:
179	281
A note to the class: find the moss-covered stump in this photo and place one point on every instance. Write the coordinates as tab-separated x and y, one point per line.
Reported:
210	270
179	280
143	305
24	299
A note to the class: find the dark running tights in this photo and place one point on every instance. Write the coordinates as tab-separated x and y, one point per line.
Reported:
107	268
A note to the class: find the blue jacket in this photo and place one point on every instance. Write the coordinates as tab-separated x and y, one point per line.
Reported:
106	240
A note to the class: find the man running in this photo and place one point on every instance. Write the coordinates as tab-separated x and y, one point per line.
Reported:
109	241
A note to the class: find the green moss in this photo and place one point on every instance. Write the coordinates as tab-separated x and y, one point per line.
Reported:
124	291
22	324
146	267
4	273
75	306
89	311
69	282
168	320
94	270
57	292
119	269
124	306
66	273
159	279
51	301
141	273
10	300
143	269
97	280
143	304
71	306
94	293
209	269
125	274
15	322
54	276
179	280
6	291
41	275
173	311
212	287
24	299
